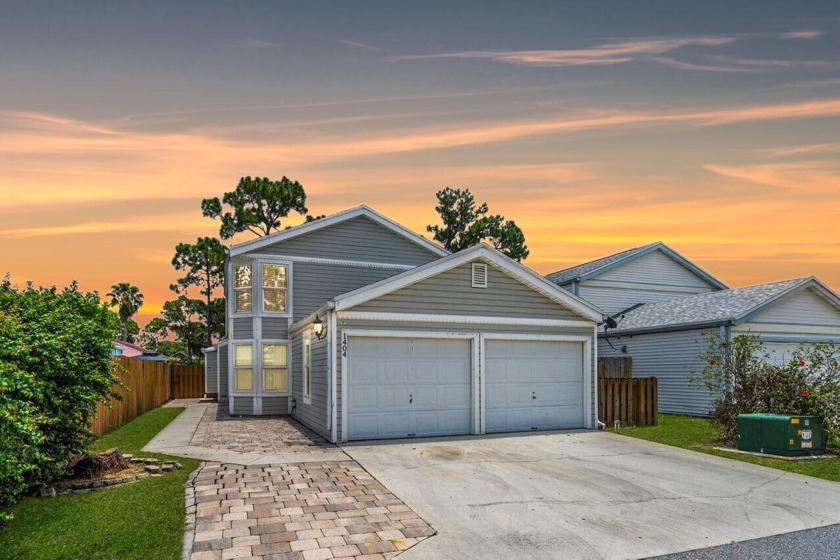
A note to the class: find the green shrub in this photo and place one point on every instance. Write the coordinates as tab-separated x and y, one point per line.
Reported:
747	381
55	366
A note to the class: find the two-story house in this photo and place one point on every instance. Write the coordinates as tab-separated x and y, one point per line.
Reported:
361	329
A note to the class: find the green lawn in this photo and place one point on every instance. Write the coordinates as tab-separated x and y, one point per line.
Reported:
141	520
699	434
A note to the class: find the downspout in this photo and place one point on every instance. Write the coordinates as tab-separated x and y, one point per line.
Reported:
727	338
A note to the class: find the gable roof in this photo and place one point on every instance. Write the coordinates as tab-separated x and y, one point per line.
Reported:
492	257
717	308
344	215
594	268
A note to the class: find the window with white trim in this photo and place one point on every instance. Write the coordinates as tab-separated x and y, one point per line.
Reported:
307	368
243	367
274	367
243	288
479	275
274	282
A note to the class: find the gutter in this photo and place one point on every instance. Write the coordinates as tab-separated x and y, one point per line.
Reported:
671	328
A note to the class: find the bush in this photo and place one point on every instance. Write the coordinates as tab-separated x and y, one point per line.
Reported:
55	366
747	381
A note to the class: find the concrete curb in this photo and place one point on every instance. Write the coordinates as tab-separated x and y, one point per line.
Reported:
189	521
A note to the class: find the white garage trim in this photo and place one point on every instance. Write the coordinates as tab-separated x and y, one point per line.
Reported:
587	366
462	319
347	333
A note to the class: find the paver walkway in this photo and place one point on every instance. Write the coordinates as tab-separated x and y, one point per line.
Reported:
250	434
280	491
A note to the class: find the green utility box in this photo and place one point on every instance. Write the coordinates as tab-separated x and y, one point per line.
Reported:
780	434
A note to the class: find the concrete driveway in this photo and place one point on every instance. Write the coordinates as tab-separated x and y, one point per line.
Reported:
587	495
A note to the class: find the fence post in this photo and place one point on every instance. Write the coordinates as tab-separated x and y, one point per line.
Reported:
171	380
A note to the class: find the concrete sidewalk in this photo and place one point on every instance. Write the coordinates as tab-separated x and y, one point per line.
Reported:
177	439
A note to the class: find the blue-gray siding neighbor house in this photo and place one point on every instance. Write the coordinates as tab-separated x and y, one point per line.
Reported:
666	309
362	329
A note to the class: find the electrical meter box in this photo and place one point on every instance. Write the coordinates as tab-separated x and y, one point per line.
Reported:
780	434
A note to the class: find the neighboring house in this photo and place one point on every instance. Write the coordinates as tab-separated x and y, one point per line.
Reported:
645	274
129	350
666	338
361	329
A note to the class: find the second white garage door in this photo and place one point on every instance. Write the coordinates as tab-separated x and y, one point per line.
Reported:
533	385
404	387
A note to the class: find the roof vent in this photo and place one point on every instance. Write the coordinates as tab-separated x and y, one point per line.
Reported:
479	275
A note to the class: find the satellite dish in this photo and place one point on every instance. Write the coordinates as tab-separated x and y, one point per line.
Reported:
610	323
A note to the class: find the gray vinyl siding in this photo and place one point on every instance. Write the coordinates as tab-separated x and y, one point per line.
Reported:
673	358
223	371
451	293
617	297
646	279
243	406
275	328
357	239
656	268
211	372
313	415
243	328
315	283
275	405
460	328
802	308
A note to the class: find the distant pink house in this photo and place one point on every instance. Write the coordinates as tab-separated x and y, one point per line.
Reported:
123	348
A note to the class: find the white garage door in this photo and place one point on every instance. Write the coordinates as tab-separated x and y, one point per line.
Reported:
404	387
533	385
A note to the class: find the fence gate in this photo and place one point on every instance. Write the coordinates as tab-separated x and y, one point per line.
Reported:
187	381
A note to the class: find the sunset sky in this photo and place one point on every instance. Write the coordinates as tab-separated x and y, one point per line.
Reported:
596	126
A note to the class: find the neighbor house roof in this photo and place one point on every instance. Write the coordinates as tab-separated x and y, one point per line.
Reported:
356	212
125	344
594	268
716	308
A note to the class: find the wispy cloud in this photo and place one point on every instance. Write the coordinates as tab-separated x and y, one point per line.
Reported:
802	177
357	44
802	34
786	151
255	44
186	223
606	54
683	65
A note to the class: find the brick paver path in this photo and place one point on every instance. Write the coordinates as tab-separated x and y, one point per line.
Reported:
305	510
262	434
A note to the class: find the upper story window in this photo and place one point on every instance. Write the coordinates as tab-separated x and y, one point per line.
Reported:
274	283
243	288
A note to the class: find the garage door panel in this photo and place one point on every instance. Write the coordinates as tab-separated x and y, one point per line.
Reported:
426	382
516	371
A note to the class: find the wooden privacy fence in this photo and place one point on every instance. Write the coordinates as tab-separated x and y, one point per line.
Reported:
147	387
634	402
187	381
615	368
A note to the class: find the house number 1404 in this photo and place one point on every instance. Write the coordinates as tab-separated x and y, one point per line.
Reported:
343	345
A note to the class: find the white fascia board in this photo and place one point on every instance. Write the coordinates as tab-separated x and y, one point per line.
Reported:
344	215
462	319
331	262
490	255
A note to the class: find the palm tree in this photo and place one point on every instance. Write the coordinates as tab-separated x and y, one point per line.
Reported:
127	299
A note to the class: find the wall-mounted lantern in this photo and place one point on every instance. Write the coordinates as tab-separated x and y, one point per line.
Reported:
319	329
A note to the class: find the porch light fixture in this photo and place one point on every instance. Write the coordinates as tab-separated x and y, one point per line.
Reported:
319	329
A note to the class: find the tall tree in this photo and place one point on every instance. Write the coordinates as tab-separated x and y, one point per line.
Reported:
128	300
181	318
256	205
203	263
465	223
